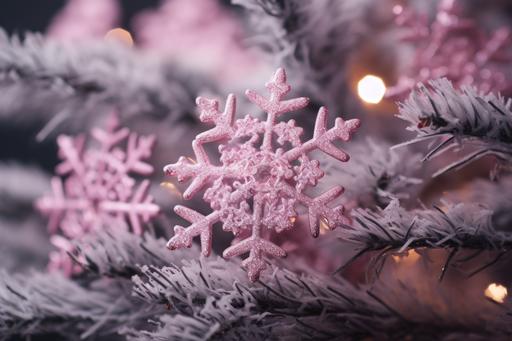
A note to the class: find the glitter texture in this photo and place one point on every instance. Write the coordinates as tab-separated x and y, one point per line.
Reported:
257	187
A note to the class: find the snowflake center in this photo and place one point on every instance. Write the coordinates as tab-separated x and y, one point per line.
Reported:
263	173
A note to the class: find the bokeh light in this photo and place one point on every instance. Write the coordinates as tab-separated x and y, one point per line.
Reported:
496	292
120	35
371	89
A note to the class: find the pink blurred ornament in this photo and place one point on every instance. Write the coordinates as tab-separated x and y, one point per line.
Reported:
262	178
453	47
97	189
85	19
198	34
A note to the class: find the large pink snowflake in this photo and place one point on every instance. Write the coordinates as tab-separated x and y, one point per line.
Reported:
257	186
98	189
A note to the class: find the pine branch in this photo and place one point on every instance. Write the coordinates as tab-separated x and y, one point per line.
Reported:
88	306
492	194
375	174
49	304
211	299
459	118
313	39
119	253
71	81
456	226
215	296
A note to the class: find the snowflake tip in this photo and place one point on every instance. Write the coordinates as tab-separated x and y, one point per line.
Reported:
254	264
278	83
208	109
180	239
254	267
201	225
348	127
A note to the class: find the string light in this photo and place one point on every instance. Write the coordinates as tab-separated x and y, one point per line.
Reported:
120	35
408	257
496	292
171	187
324	225
371	89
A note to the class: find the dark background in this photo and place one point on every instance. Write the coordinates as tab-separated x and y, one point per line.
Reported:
19	16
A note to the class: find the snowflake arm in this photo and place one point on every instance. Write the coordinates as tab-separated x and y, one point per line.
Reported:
139	209
71	150
202	170
201	226
255	245
273	106
56	206
139	148
318	209
323	138
223	125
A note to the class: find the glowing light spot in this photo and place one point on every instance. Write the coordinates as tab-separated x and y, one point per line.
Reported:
408	257
324	225
398	9
171	187
371	89
120	35
496	292
191	160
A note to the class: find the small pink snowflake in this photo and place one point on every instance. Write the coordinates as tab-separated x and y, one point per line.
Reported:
97	189
258	187
454	47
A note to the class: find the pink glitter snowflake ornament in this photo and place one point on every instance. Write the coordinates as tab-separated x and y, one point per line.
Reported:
455	47
97	189
257	187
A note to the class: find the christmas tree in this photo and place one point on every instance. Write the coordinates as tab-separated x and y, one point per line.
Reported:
257	170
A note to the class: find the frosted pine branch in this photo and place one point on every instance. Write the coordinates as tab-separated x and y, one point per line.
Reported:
71	81
313	39
212	298
454	226
495	195
48	304
120	253
375	174
459	118
208	300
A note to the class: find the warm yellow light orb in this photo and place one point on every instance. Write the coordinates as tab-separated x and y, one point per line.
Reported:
120	35
408	257
371	89
496	292
171	188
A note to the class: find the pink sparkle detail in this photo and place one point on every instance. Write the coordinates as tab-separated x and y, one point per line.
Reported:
96	188
453	47
258	186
